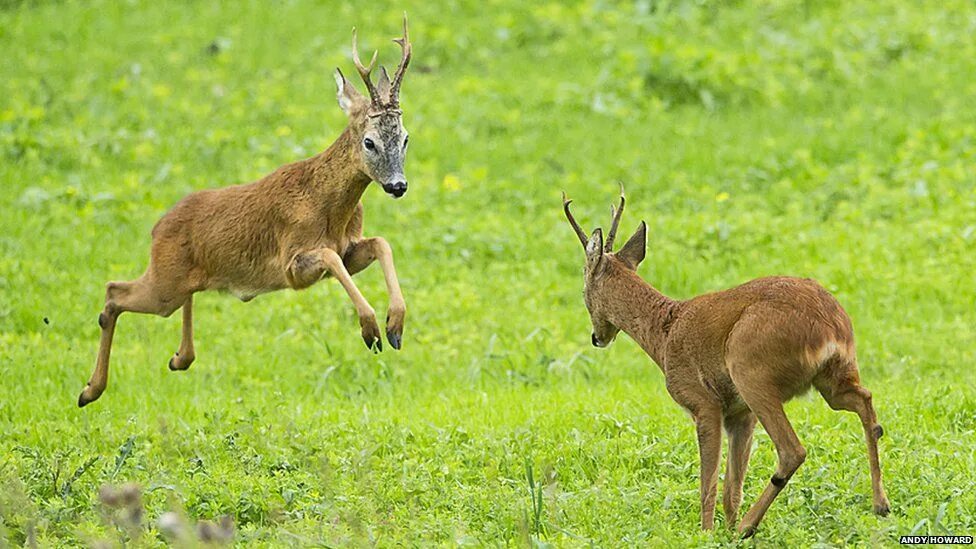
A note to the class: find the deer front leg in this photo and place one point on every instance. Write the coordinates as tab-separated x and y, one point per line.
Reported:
360	255
709	428
308	267
185	355
740	428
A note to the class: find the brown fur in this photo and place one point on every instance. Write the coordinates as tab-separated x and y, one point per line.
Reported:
286	230
731	357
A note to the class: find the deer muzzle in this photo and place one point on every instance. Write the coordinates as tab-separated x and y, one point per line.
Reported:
396	189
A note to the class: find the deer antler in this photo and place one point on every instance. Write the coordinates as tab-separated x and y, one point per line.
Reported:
364	71
572	221
615	213
404	61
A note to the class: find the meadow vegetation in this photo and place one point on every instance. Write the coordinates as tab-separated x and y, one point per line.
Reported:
829	139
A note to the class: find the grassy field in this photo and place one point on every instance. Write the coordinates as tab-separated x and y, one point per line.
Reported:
828	139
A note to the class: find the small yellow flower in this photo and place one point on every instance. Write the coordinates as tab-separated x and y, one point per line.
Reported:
161	90
143	150
480	173
120	85
282	131
721	197
452	182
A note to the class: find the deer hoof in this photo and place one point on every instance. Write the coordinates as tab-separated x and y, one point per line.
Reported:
395	340
179	363
371	334
84	398
373	343
747	531
882	509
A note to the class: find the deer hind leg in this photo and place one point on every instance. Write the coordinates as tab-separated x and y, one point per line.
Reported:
739	428
185	355
839	385
140	296
709	428
790	453
359	256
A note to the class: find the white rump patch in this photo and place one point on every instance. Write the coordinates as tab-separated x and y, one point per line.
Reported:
830	349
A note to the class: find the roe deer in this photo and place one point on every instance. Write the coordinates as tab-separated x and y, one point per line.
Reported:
731	357
287	230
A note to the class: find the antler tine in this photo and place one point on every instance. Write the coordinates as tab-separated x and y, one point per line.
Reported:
365	71
608	247
404	61
572	221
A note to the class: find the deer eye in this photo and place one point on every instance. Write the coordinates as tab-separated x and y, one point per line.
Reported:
368	143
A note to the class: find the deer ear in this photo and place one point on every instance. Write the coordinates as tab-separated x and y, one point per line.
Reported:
350	100
634	250
594	247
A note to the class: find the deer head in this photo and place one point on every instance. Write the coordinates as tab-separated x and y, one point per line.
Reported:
375	123
604	268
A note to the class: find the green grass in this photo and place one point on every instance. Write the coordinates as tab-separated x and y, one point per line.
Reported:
830	139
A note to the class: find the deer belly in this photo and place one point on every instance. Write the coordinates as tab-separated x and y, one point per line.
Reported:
245	294
248	284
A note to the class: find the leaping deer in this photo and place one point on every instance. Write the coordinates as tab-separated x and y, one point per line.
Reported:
287	230
731	357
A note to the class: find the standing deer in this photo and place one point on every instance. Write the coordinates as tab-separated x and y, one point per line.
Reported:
296	225
731	357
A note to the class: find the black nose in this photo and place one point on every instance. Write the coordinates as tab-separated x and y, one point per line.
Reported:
594	340
397	189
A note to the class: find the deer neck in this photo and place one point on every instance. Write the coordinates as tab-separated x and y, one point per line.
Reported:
337	181
643	313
